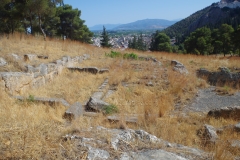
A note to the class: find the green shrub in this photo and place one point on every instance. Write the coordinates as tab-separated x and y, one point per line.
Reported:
113	54
130	56
30	98
110	109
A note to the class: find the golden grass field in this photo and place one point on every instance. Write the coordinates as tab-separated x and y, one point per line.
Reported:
34	131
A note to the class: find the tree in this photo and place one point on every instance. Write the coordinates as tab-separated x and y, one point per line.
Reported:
224	38
160	42
137	43
71	26
199	42
105	38
9	17
236	39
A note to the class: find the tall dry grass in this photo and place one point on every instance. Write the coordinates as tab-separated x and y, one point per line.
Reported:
34	131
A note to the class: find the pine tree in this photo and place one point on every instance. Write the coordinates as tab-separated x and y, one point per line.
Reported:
105	38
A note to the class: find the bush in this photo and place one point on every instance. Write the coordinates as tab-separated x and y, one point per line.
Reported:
113	54
110	109
130	56
30	98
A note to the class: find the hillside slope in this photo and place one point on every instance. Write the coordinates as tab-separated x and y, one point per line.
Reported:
146	24
212	16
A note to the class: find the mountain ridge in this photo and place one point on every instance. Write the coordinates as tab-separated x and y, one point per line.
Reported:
212	16
144	24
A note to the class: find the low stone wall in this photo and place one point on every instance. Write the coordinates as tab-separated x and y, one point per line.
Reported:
227	113
224	76
16	83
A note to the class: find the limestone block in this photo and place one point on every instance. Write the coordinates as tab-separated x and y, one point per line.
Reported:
226	112
49	77
86	56
96	104
150	155
16	57
74	111
210	133
16	82
179	67
43	69
3	62
30	57
59	69
51	67
38	82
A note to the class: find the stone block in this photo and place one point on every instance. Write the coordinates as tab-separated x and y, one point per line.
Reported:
49	77
16	82
38	82
226	112
210	133
51	67
3	62
43	69
96	104
74	111
93	70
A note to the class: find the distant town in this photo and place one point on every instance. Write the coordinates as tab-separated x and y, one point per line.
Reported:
120	39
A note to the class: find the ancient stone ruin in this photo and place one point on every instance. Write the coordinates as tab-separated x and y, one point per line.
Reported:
224	76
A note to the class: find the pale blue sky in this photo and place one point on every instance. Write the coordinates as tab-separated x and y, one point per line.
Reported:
125	11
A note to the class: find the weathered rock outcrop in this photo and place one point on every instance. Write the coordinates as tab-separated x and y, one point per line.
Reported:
209	134
3	62
123	142
93	70
220	78
179	67
226	112
74	111
16	82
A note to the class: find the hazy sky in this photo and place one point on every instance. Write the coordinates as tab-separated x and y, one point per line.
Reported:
126	11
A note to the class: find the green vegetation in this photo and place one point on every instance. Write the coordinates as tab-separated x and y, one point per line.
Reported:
199	42
110	109
205	41
160	42
113	54
48	17
31	98
137	43
105	38
130	56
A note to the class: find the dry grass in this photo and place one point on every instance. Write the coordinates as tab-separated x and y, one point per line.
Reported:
31	130
71	86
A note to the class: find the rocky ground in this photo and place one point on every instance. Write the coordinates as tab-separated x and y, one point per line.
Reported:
122	143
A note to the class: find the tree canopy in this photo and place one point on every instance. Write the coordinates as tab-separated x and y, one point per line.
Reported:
160	42
105	38
48	17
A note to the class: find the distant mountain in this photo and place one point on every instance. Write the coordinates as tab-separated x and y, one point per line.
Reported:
146	24
213	16
100	27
